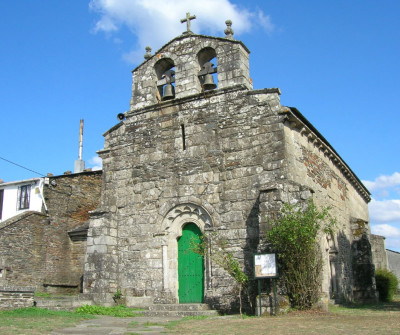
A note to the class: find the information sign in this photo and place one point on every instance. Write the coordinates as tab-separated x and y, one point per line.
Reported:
265	266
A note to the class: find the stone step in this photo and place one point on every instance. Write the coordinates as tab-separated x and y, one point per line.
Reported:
172	313
162	310
179	307
179	310
61	303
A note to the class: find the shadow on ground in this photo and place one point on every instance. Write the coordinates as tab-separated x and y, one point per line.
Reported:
393	306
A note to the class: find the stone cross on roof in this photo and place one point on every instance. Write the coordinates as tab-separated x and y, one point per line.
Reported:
187	20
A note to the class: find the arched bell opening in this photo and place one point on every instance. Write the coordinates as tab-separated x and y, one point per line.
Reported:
207	74
165	71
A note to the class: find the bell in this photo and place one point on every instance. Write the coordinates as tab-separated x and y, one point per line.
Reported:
209	82
169	92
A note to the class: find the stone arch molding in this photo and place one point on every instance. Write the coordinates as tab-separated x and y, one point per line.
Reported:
181	214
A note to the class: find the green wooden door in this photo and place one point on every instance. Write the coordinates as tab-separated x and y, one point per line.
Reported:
190	266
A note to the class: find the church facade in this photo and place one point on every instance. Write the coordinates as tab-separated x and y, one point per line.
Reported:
200	151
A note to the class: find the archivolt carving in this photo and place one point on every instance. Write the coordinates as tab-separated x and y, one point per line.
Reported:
184	213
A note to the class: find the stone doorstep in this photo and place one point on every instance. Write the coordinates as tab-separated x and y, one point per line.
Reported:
179	307
179	313
179	310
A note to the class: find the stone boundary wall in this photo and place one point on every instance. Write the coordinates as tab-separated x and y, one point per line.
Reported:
36	249
379	252
69	199
23	250
394	263
16	297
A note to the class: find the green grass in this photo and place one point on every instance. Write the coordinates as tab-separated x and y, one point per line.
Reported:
37	321
46	295
152	324
133	324
43	295
117	311
355	309
379	318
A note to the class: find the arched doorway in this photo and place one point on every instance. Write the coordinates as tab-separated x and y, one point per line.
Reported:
190	266
175	220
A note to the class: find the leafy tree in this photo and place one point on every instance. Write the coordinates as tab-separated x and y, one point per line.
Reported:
224	258
295	236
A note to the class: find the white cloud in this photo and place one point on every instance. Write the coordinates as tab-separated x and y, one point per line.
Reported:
155	22
391	233
105	24
96	163
384	211
386	230
383	182
384	208
265	21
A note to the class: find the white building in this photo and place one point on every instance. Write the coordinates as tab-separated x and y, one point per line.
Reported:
17	197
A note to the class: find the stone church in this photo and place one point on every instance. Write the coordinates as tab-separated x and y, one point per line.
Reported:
200	151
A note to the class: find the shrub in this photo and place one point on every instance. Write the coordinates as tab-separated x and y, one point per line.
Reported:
295	236
386	284
117	295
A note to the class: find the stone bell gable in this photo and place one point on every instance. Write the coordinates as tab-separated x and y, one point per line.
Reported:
200	151
187	55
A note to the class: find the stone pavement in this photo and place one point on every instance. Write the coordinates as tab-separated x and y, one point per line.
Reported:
108	325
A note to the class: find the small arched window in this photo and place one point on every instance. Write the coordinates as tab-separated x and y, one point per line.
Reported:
207	59
165	71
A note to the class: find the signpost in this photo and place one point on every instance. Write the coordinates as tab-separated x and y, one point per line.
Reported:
265	266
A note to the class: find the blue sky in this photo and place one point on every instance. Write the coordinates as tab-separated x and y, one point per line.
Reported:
336	61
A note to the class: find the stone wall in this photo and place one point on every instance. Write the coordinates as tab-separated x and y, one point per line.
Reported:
233	147
232	60
364	288
36	249
379	252
16	297
394	263
69	198
312	162
23	250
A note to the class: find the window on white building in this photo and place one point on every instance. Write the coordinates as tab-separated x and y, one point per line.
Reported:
23	196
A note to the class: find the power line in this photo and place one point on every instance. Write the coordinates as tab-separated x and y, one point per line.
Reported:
40	174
